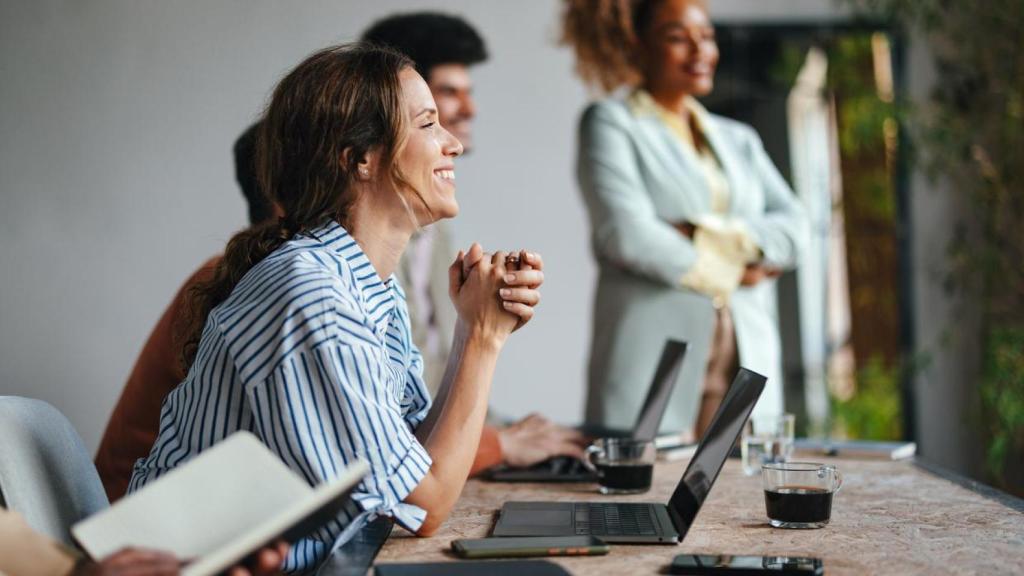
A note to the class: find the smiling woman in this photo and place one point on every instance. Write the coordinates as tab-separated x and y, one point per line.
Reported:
690	221
427	155
302	337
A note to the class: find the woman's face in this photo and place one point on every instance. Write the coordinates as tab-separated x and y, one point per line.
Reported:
427	161
679	49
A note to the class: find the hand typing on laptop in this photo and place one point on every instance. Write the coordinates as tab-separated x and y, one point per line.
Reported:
550	453
535	439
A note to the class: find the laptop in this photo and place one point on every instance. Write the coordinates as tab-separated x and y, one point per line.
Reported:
645	523
567	469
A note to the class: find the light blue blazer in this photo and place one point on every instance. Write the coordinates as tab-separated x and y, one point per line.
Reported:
636	179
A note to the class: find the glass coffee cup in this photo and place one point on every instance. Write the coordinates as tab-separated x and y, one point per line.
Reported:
799	494
624	465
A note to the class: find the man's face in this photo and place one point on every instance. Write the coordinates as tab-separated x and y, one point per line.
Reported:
453	92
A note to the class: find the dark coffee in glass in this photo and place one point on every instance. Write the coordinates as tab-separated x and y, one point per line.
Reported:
799	494
799	504
624	465
622	478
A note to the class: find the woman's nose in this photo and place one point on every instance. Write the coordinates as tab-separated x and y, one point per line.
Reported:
452	146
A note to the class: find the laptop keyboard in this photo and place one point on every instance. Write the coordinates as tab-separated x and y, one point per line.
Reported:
563	465
615	519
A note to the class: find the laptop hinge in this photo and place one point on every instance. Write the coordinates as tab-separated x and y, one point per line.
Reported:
677	522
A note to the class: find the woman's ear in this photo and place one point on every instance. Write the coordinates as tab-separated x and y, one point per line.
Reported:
366	167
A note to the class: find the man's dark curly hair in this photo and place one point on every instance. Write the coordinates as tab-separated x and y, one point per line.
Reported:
430	39
260	207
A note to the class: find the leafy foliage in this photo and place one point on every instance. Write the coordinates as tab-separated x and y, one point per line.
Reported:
874	411
972	133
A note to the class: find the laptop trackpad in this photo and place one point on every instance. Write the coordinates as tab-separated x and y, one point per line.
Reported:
535	519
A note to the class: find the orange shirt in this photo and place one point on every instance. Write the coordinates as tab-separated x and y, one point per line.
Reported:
134	424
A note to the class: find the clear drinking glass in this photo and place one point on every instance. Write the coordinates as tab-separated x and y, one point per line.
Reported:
799	494
766	439
624	465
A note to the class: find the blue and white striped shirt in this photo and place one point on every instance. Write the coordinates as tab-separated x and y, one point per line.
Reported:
313	353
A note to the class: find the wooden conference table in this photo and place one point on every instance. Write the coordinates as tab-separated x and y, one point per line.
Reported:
889	518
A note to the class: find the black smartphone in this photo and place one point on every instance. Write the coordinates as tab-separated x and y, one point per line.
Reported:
526	546
746	565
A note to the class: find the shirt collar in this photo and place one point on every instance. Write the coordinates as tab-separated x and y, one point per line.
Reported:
378	295
641	102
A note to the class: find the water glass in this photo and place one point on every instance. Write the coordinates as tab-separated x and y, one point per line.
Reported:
766	439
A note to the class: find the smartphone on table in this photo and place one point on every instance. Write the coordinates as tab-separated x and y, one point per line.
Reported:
726	565
528	546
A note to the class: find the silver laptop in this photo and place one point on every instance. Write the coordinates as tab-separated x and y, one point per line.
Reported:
566	469
645	523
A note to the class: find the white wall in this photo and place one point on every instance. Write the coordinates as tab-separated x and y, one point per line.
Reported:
116	124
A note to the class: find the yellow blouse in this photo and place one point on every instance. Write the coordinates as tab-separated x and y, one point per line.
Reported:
724	247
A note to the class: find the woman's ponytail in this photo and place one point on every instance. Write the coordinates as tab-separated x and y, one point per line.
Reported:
245	249
323	118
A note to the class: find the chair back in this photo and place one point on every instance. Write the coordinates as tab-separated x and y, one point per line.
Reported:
45	472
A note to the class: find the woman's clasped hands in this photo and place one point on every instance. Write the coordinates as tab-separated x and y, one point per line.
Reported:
495	293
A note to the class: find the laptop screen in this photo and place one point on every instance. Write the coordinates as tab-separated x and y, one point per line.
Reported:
665	377
714	447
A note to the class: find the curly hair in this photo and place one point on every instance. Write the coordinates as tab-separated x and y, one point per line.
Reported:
605	35
322	119
260	207
430	39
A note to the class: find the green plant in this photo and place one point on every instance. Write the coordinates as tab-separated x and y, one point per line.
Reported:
971	132
869	209
873	412
870	409
1002	394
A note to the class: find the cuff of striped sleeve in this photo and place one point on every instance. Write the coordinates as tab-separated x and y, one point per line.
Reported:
415	418
404	478
489	453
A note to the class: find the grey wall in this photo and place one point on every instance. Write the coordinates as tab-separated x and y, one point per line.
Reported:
116	124
947	330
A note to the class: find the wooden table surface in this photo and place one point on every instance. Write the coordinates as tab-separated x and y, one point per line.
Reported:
889	518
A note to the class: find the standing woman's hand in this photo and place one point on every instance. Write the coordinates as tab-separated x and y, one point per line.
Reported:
755	273
475	295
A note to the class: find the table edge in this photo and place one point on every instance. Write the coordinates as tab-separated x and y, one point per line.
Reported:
980	488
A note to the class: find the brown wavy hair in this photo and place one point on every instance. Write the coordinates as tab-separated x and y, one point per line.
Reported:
322	119
606	37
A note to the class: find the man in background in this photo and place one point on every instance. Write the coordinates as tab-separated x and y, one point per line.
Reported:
443	47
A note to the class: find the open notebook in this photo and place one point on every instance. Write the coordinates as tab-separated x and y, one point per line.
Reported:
218	508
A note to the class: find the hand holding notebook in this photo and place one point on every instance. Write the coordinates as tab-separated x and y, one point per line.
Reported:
218	508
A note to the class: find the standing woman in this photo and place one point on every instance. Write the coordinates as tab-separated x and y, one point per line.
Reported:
690	220
302	337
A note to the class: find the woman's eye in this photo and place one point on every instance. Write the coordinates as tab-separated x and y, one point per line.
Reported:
430	125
